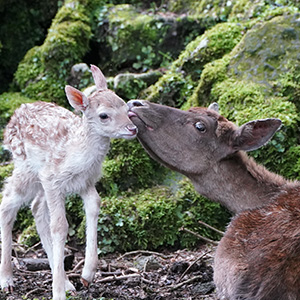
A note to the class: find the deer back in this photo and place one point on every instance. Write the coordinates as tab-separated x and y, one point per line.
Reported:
258	257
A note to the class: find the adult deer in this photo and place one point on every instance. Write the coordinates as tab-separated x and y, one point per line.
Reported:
258	257
55	153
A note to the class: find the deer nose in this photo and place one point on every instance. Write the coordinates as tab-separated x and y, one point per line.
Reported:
132	128
135	103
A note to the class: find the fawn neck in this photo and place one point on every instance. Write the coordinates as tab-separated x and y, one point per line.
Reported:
240	183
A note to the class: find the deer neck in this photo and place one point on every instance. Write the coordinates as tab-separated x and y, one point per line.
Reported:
89	144
240	183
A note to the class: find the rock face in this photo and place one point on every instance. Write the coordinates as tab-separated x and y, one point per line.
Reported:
268	50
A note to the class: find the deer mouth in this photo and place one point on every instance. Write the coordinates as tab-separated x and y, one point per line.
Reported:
133	116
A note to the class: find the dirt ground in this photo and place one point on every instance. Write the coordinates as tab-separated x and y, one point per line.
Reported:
138	275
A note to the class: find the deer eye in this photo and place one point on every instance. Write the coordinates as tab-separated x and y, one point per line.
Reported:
200	126
103	116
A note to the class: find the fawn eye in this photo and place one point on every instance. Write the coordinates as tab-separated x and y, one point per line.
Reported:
200	126
103	116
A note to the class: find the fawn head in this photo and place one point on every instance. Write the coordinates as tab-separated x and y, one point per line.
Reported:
106	112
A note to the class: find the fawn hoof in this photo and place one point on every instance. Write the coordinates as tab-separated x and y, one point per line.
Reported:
7	284
8	289
72	293
85	282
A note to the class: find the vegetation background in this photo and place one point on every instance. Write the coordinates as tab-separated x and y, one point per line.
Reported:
245	55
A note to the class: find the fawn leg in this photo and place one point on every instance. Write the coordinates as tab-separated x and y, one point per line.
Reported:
42	219
16	192
59	231
91	204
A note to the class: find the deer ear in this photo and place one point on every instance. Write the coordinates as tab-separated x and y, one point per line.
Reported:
255	134
214	106
99	78
76	98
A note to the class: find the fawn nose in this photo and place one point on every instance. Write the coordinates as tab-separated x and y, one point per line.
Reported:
135	103
132	128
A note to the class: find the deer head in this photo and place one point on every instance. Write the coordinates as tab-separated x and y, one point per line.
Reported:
192	141
106	112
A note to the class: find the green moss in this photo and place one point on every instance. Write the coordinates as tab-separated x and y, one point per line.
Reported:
129	166
132	33
242	101
267	50
219	10
288	84
5	171
177	85
153	217
172	89
9	102
212	73
246	10
44	70
29	236
144	40
215	43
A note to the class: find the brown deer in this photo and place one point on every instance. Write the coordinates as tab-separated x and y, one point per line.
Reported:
56	152
258	257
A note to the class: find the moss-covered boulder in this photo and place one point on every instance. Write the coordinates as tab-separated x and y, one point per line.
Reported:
129	85
177	85
129	38
217	10
44	70
268	50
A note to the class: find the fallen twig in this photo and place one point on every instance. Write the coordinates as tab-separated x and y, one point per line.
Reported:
177	286
199	236
211	227
79	264
144	252
192	264
117	278
34	291
32	247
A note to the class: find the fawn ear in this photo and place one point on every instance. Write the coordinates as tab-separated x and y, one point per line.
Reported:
76	98
254	134
99	78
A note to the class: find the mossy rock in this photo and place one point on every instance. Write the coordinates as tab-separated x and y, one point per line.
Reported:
44	70
217	10
213	44
177	85
243	10
213	72
267	50
129	85
143	40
